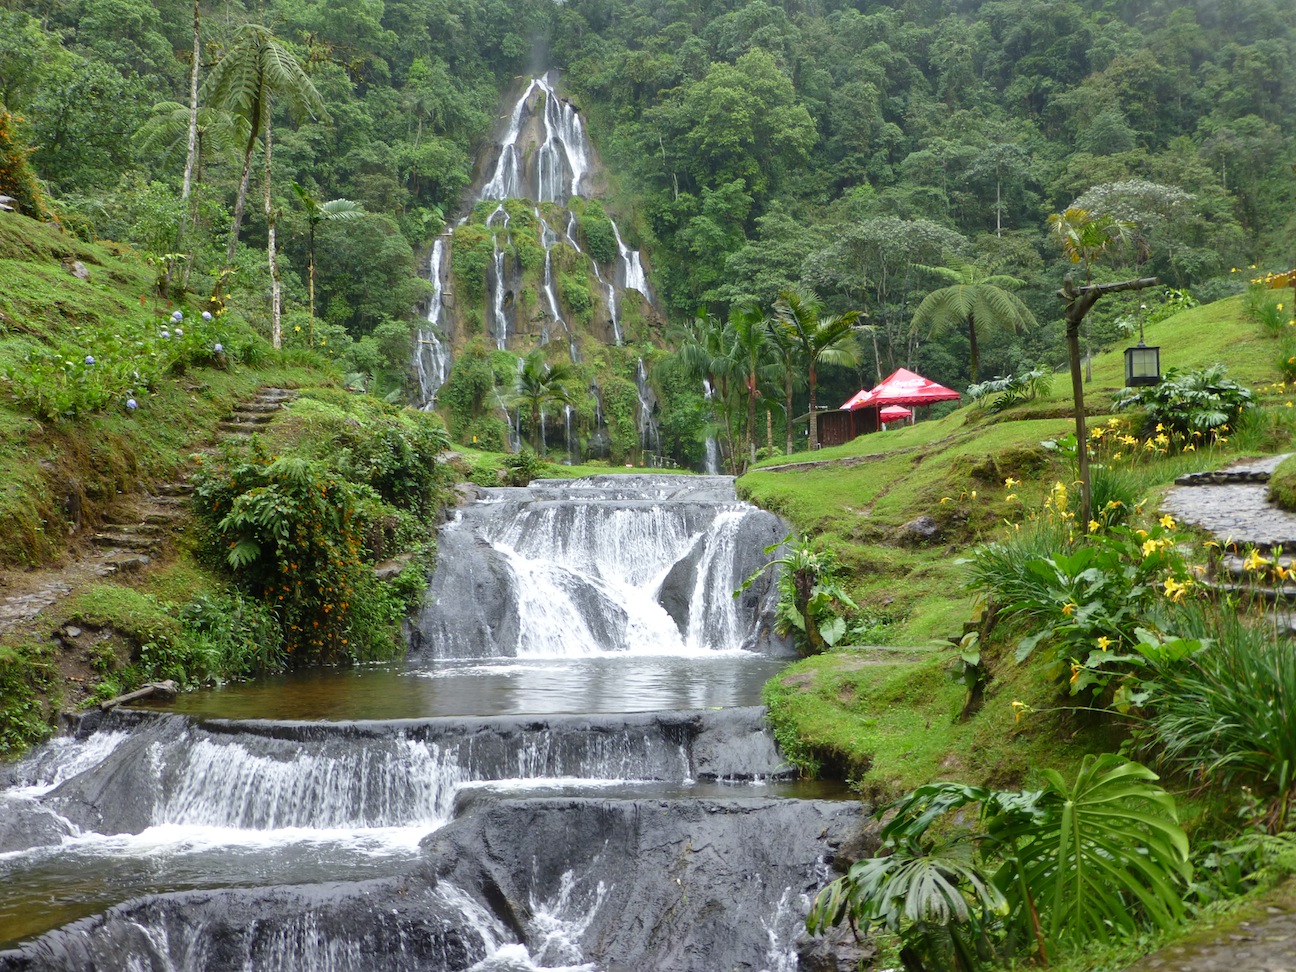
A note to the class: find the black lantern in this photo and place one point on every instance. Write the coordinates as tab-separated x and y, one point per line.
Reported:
1142	365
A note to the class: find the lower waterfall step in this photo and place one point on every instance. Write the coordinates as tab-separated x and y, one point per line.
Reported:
665	885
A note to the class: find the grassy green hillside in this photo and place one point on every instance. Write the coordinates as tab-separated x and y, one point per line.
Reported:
855	709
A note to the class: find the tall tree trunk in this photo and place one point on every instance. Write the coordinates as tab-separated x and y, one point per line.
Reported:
769	428
240	201
192	155
877	356
726	409
998	209
974	355
787	413
751	418
276	325
814	426
311	278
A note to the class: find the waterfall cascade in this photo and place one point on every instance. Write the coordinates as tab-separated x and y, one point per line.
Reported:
431	356
567	568
541	832
543	155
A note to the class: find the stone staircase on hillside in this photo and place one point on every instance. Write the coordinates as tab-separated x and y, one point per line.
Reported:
138	529
254	415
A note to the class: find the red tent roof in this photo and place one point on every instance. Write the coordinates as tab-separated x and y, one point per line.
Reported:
902	388
893	413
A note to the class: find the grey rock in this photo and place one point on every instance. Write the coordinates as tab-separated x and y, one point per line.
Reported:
923	529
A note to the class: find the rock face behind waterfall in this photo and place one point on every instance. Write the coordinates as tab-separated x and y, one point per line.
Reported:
642	564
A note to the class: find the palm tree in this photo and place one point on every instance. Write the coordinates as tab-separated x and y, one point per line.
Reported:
821	338
975	298
703	351
538	385
1086	238
787	354
316	213
255	71
751	349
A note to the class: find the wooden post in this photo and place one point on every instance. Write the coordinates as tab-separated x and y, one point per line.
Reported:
1079	301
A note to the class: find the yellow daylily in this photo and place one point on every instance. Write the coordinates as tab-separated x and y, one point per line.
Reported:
1168	522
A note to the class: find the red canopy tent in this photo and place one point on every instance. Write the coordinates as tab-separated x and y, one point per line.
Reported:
894	413
902	388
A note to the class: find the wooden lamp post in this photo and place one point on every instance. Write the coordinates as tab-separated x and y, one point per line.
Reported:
1079	301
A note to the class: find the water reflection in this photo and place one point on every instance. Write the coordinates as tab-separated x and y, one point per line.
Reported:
486	687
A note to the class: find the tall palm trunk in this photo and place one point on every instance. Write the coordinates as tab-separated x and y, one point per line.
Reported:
751	418
974	357
787	414
245	180
311	284
276	325
814	425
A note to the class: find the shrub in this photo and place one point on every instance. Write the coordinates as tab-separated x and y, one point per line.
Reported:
1226	714
1044	869
17	180
522	467
597	233
811	599
1203	401
1011	390
291	532
1095	602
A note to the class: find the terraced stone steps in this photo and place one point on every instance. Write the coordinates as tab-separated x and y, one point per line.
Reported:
140	528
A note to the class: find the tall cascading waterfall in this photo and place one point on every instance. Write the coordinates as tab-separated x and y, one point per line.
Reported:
634	564
431	356
544	155
497	284
649	431
712	460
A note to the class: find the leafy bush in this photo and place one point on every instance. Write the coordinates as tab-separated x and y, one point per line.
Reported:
522	467
811	598
1226	714
26	674
1011	390
243	633
597	233
1045	869
292	531
1202	401
1095	602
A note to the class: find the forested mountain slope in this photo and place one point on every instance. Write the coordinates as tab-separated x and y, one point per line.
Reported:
751	146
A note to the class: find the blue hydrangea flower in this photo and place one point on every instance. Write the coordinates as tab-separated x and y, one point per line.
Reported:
219	348
166	335
206	315
179	332
132	404
89	359
178	316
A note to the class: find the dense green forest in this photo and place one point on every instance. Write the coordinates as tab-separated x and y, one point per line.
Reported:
751	146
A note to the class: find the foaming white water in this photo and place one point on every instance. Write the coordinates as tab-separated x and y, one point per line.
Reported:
558	922
403	782
781	927
713	615
60	759
431	357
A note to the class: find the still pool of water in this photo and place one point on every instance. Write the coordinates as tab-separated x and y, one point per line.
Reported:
493	687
